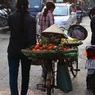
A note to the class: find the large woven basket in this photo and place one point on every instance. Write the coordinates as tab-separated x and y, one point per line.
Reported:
81	28
50	55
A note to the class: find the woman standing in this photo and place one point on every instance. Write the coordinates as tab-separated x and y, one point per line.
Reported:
23	34
46	19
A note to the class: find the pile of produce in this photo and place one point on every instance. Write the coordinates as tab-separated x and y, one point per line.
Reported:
68	41
49	47
42	47
46	45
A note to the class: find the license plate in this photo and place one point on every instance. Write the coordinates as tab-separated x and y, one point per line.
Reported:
90	64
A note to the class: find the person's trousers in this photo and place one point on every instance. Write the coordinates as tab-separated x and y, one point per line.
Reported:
13	62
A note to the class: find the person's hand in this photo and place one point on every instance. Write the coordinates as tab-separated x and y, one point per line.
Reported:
39	37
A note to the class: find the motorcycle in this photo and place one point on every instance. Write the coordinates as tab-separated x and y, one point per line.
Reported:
3	17
90	65
90	53
79	16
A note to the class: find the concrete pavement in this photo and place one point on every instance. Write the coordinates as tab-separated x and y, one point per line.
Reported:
4	30
79	83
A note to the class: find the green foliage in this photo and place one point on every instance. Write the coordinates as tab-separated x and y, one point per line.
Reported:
44	41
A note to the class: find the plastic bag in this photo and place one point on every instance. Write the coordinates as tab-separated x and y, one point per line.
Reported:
63	78
77	34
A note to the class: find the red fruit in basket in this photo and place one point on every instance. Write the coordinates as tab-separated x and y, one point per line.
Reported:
33	49
36	47
41	48
44	50
38	50
52	46
65	49
45	46
39	44
49	48
55	46
62	47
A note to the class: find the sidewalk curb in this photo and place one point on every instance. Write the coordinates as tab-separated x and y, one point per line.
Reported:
4	30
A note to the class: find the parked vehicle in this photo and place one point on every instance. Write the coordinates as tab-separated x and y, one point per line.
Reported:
90	65
64	15
3	17
35	6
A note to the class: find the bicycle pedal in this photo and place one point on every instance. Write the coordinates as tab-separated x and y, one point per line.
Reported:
41	87
76	69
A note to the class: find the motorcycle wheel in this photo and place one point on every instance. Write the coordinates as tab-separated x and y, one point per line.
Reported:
78	20
4	22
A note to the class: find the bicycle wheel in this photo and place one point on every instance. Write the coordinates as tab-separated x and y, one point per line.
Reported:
4	22
48	78
74	68
48	90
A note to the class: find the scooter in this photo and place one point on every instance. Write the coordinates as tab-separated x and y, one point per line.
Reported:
79	16
90	65
3	17
90	53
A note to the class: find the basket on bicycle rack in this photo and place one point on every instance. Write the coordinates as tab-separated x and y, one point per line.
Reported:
77	31
45	54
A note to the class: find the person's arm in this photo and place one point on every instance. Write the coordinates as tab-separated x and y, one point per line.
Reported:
39	22
93	31
9	22
32	33
51	17
90	14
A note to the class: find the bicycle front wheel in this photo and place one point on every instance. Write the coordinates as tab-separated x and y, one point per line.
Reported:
48	90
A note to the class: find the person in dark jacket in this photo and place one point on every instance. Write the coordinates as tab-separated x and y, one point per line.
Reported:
23	34
91	13
92	25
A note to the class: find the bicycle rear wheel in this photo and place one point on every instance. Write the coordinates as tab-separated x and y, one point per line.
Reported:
74	68
48	90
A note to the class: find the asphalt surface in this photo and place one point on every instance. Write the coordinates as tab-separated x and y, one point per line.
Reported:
79	83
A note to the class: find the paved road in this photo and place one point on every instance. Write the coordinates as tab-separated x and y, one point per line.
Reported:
79	83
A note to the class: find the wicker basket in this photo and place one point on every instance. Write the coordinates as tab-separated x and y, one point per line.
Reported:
50	55
81	28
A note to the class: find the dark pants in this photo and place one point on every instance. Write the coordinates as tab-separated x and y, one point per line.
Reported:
13	62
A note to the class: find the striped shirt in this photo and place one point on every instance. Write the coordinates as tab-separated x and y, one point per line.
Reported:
45	22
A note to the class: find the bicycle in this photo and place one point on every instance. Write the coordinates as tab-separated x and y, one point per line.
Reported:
50	77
